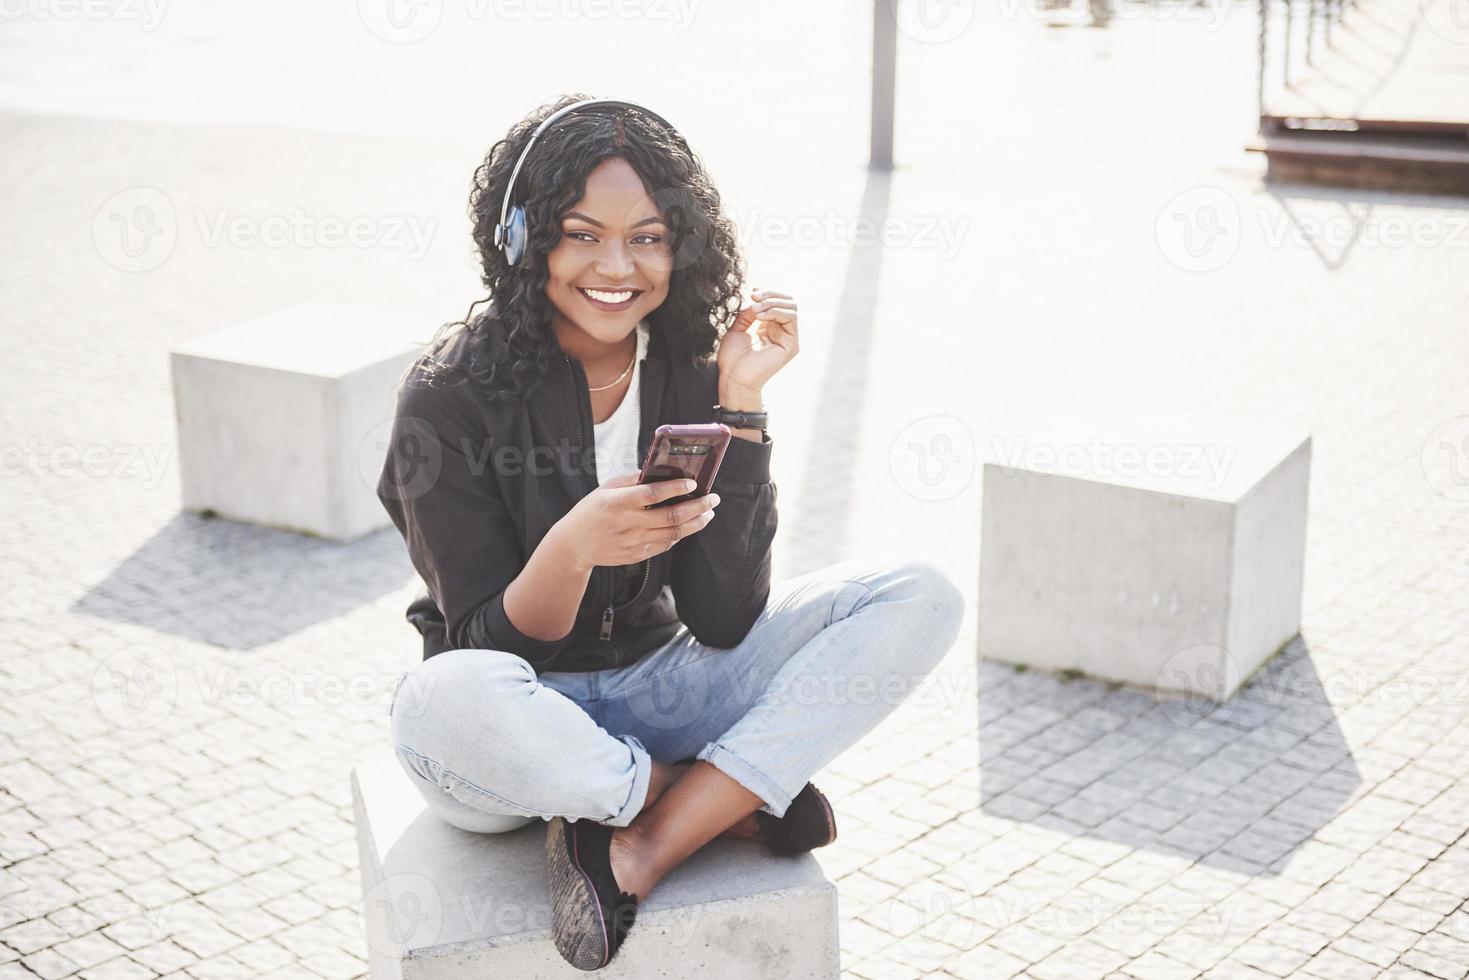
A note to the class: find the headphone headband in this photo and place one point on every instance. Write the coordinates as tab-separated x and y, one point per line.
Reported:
503	230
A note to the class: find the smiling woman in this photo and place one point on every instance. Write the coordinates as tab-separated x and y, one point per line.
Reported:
612	200
615	283
611	268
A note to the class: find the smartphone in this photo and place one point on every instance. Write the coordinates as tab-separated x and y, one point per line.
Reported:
691	452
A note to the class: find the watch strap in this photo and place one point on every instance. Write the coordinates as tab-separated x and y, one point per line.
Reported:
740	420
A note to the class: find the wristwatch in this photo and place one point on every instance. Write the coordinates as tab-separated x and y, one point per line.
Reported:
740	420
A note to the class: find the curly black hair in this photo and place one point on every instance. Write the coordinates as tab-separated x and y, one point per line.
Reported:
708	272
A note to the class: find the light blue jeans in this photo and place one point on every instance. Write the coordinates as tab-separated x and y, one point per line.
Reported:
492	746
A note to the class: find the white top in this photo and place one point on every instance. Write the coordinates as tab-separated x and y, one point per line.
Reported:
615	441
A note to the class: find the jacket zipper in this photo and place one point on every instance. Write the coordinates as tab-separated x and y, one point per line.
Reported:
609	612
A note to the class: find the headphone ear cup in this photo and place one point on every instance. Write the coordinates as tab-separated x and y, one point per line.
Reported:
515	235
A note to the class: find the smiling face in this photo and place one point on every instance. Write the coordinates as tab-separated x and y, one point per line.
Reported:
613	263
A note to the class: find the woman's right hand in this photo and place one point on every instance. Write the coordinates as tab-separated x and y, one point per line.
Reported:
612	525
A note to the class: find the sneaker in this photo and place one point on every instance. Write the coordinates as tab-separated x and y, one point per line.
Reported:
809	823
590	914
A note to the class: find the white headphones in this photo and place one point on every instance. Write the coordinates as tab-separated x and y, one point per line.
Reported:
510	233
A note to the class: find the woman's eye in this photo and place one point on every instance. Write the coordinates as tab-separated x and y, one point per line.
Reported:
586	236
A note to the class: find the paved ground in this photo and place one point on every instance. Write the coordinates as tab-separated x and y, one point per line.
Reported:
195	821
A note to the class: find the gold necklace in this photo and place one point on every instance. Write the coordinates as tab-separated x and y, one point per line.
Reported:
620	376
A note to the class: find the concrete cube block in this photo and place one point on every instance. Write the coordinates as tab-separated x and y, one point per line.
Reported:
442	903
283	420
1164	551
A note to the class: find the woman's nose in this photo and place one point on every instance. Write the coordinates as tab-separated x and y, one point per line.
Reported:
615	262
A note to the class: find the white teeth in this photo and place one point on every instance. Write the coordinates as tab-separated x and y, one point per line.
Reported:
620	297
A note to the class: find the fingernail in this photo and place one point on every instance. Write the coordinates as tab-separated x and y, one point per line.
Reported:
689	484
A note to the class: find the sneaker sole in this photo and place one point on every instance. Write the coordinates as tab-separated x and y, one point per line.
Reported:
831	818
577	925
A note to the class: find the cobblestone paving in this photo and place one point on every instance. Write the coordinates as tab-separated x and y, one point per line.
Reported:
195	820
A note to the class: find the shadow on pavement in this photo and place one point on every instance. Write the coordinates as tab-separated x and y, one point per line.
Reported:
239	587
818	529
1236	786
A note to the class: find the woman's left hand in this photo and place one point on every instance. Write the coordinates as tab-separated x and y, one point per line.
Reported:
743	368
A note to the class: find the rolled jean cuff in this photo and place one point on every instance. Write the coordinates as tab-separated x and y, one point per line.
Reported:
637	797
776	799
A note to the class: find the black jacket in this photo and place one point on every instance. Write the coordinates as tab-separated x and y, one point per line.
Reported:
473	486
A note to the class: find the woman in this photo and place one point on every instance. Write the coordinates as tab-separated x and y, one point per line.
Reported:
626	673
